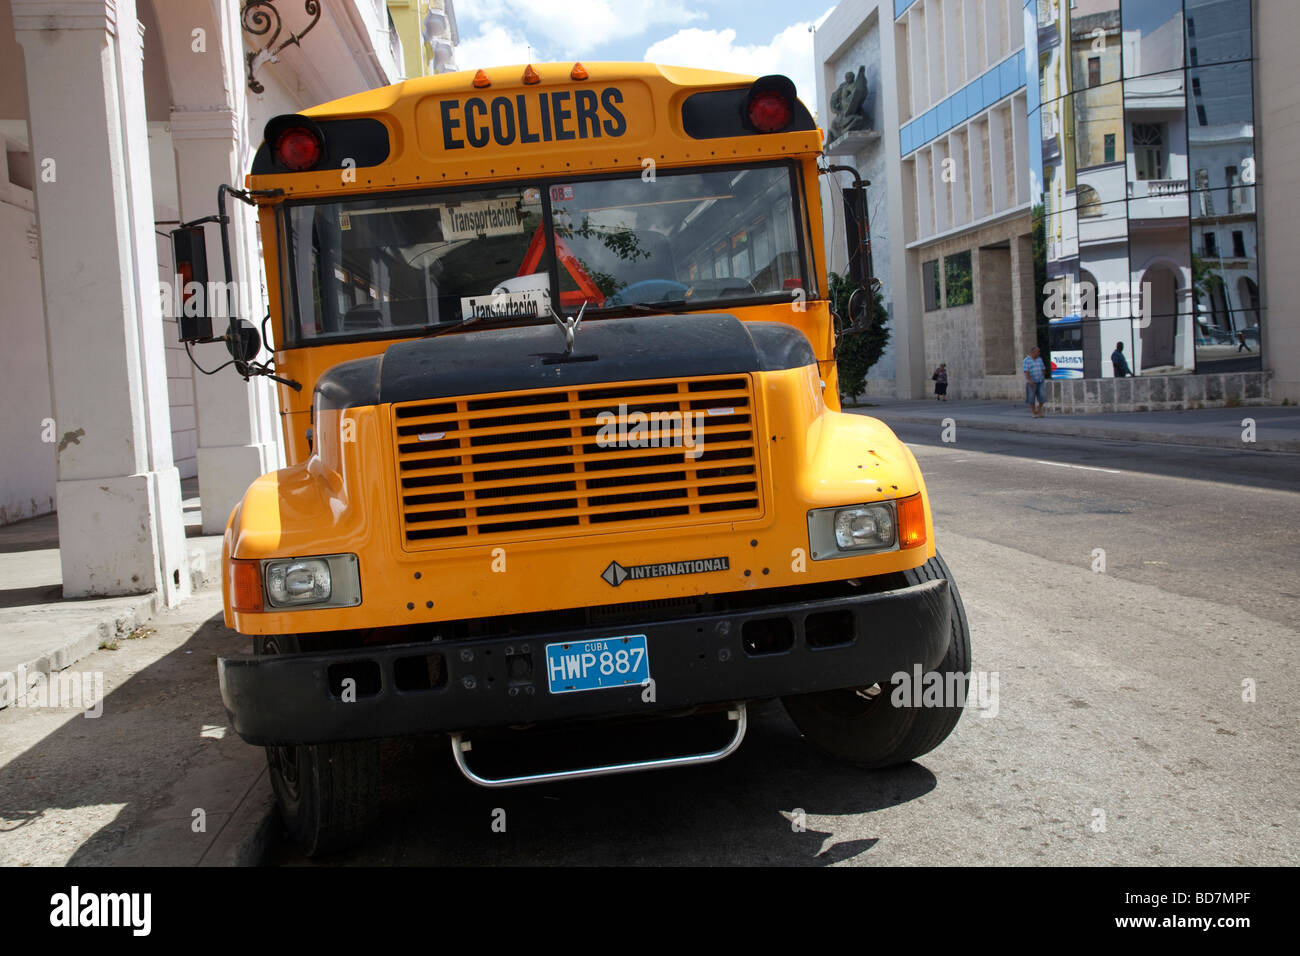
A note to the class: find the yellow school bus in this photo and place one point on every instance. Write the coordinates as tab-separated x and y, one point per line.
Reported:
557	382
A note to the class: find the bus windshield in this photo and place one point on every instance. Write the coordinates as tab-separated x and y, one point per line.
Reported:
398	264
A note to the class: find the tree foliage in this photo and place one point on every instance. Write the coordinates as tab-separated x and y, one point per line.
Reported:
858	351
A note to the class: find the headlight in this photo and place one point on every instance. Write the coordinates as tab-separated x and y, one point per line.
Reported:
853	529
298	582
330	581
869	526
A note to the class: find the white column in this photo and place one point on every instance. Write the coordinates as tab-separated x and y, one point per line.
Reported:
118	493
234	444
993	48
1020	148
977	142
999	130
940	189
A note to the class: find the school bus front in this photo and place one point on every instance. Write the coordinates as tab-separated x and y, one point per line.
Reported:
568	445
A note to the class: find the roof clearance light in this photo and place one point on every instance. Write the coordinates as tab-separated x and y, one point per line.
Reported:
769	112
579	72
530	75
298	149
481	80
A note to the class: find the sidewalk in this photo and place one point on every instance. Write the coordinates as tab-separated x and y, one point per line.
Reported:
1276	427
40	631
126	785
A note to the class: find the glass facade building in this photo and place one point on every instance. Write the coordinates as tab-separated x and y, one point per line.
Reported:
1141	142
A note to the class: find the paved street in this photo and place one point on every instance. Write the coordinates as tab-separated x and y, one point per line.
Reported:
1120	733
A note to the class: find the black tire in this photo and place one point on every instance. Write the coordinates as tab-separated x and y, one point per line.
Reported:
862	727
328	794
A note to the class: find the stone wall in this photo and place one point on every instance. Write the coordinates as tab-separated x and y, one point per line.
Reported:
981	343
1150	393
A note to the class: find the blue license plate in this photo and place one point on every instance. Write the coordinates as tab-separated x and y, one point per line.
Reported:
595	665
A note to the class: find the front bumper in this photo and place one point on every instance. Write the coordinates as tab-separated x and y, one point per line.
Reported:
487	682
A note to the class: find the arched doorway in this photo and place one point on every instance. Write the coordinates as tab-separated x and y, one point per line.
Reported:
1248	296
1160	314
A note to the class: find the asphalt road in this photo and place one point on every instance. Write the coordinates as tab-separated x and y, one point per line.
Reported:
1120	733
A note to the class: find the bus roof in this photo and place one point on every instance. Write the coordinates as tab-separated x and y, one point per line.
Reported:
547	119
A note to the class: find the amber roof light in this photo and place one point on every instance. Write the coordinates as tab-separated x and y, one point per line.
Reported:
481	80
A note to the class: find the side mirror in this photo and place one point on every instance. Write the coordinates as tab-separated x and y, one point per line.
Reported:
855	212
190	252
243	342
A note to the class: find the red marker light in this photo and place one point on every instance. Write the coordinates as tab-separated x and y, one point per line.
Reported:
298	149
769	112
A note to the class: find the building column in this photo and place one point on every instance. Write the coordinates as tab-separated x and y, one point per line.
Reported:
121	529
234	443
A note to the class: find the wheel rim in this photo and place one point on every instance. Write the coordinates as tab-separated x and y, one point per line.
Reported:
854	701
284	763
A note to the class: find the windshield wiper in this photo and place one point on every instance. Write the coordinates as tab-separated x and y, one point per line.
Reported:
670	307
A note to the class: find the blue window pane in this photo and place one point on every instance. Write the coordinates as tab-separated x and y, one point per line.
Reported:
929	126
958	101
989	87
1008	75
943	113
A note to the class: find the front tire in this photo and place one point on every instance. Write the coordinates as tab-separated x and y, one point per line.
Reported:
862	726
328	794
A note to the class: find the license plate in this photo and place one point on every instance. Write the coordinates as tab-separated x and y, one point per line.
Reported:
596	665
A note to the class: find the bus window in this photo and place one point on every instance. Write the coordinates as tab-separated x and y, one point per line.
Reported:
398	264
377	266
682	238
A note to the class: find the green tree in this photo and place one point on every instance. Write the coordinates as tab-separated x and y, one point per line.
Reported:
857	351
1040	281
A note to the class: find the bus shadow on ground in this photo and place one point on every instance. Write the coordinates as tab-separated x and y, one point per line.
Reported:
777	801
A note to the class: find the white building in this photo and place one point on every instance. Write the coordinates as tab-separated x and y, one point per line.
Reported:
119	119
951	173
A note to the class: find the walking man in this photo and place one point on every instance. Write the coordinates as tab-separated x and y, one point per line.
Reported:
1118	362
1035	389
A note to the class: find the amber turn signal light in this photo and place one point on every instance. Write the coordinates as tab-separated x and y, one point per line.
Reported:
911	522
481	80
245	579
530	75
579	72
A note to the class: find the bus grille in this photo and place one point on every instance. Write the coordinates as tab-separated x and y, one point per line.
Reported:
572	461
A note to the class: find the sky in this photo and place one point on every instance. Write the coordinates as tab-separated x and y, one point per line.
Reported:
755	37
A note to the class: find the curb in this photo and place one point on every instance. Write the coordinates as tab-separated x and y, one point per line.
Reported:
73	648
253	826
1285	445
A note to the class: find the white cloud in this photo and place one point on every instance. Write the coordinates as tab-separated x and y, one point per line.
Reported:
494	46
790	52
574	28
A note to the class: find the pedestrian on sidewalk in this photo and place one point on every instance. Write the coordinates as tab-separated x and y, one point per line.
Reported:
1241	343
1035	387
940	378
1118	362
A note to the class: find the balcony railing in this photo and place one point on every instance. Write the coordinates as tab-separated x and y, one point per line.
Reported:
1156	188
